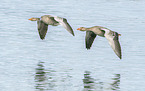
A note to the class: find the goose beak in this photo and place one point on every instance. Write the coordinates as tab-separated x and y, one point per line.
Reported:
30	19
78	29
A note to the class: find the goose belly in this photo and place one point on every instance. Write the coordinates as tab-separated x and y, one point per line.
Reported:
99	33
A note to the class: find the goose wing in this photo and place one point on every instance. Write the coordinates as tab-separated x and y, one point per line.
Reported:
113	39
64	23
90	36
42	29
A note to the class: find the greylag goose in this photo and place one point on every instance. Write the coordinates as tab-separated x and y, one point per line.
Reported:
111	36
46	20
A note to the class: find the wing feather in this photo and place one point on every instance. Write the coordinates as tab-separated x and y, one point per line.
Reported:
114	43
42	29
65	24
90	36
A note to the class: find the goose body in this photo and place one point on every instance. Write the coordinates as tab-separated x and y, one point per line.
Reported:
111	36
46	20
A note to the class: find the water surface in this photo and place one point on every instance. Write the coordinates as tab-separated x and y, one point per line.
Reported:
61	62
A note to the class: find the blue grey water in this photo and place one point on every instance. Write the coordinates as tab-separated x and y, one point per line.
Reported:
61	62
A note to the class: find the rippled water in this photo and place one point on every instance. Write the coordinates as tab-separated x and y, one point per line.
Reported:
61	62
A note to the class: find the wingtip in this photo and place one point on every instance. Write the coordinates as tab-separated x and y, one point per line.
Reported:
120	57
87	48
42	38
73	33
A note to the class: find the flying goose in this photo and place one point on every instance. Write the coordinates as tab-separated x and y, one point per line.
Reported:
46	20
111	36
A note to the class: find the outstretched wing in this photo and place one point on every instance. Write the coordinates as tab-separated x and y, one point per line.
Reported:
112	37
42	29
65	24
90	36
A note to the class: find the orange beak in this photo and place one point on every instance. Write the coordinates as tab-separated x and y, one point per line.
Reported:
119	34
79	29
30	19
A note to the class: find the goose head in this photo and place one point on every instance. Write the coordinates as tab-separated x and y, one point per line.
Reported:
34	19
82	29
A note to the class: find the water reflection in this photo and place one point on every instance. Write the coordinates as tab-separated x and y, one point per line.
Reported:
40	77
91	84
43	78
88	81
116	84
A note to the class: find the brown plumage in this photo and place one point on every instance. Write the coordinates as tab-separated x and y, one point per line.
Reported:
51	20
111	36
